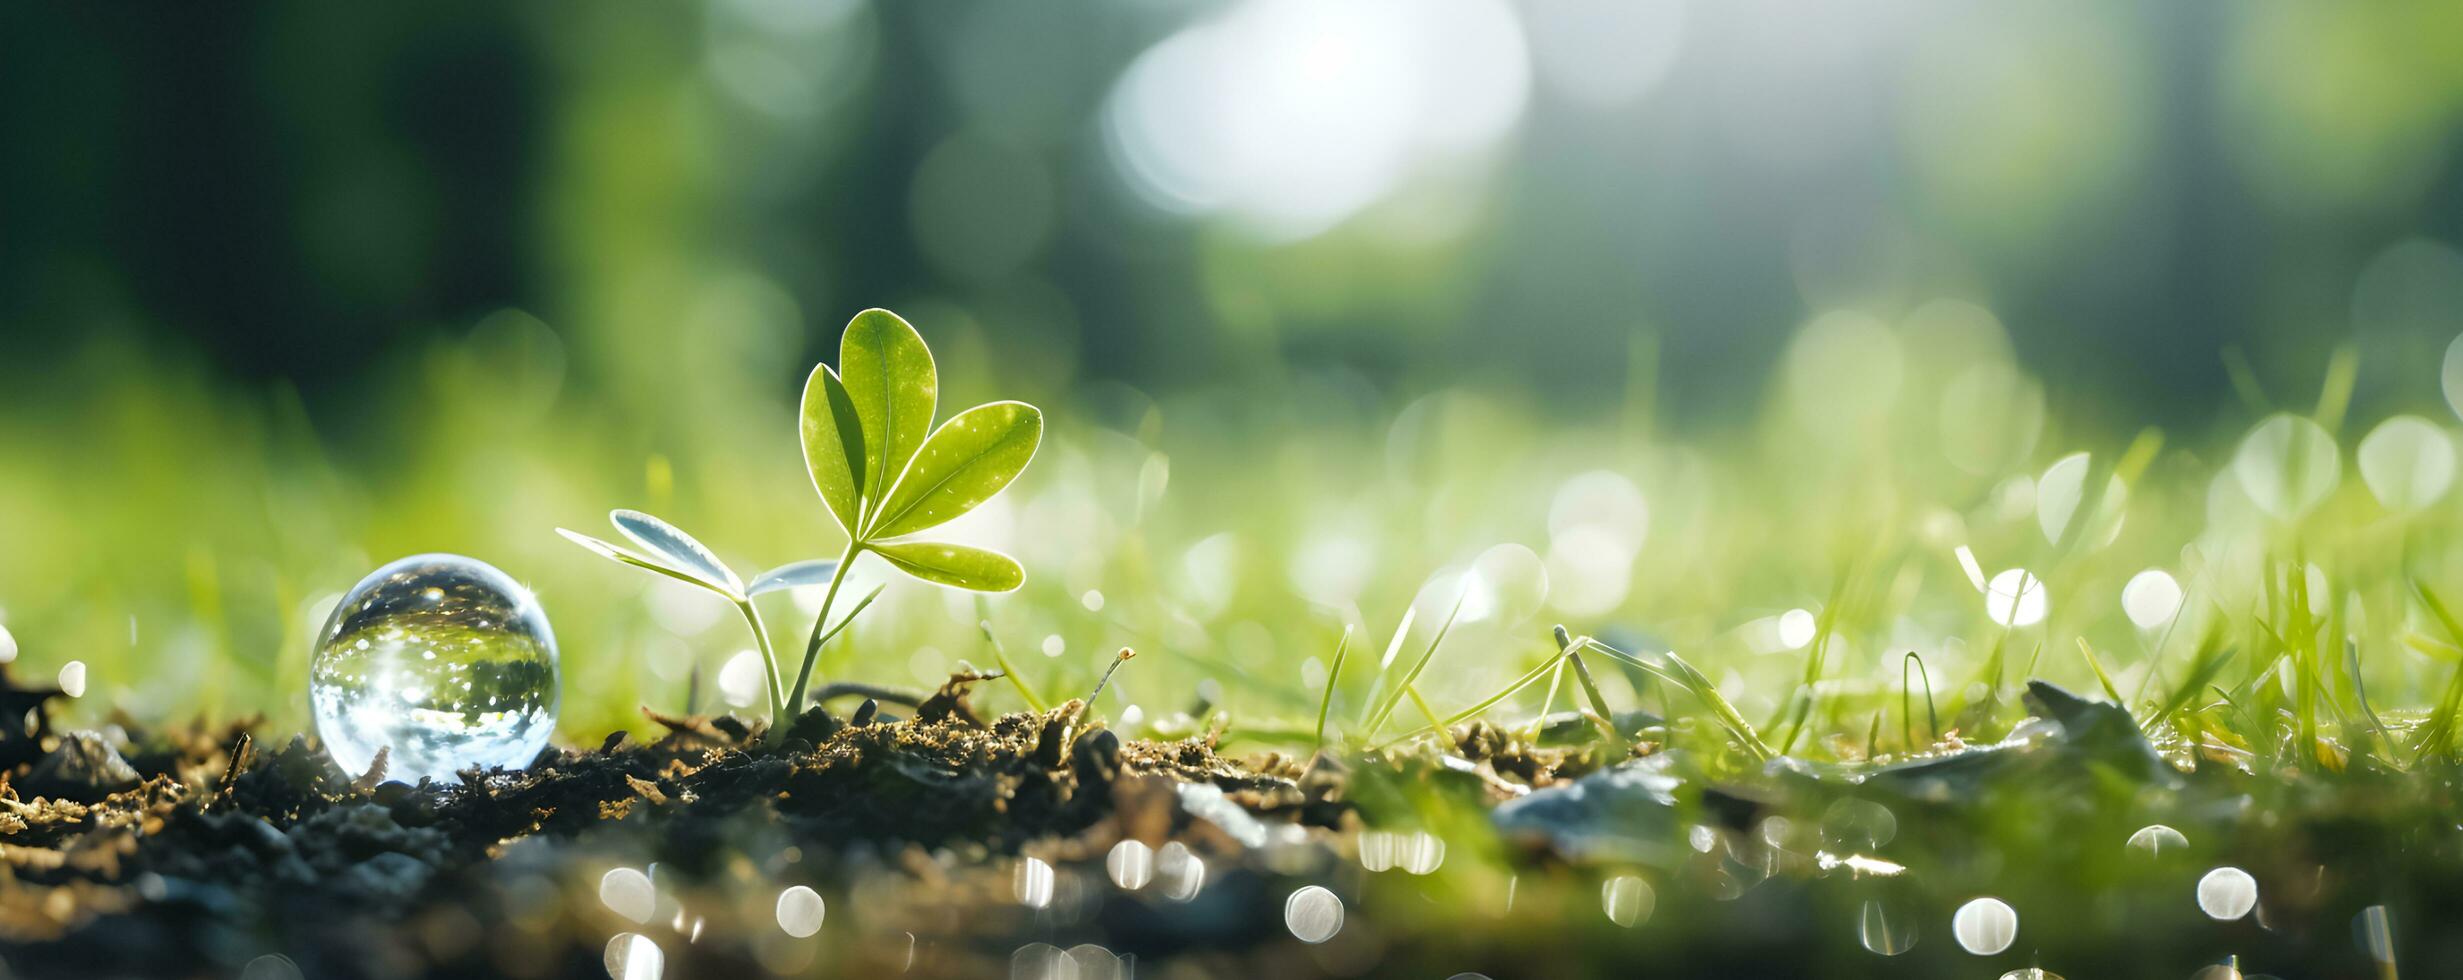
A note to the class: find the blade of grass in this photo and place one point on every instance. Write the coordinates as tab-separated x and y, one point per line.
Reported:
2212	656
1395	699
1932	718
2438	733
2360	692
2102	679
1466	714
1393	648
1342	648
1682	674
1582	673
1010	670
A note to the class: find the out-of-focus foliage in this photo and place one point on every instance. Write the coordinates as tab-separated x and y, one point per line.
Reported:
1705	312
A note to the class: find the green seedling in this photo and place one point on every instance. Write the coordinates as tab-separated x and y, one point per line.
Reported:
885	474
667	550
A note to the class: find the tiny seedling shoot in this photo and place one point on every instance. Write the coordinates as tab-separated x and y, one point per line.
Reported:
884	473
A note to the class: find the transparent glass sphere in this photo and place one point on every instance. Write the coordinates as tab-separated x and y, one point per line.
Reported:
444	660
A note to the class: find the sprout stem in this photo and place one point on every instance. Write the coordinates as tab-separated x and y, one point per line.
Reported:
769	658
1124	656
812	647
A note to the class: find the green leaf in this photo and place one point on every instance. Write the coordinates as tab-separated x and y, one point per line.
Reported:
970	458
677	550
793	575
893	386
618	554
834	446
957	566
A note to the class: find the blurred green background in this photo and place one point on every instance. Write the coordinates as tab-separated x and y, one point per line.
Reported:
1709	308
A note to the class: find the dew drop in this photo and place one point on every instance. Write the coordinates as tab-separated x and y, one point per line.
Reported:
2153	840
2287	465
1032	883
799	911
2227	893
2015	598
487	698
8	646
1985	926
1131	864
73	678
1627	900
629	893
1313	914
2407	462
1885	930
2150	598
271	966
632	956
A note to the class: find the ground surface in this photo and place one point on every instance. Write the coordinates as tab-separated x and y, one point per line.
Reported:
1044	845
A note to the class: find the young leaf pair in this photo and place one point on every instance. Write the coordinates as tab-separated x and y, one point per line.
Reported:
866	446
884	472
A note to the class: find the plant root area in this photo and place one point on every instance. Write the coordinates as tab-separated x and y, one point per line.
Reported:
208	853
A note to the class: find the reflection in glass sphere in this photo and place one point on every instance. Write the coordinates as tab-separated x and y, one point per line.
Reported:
442	659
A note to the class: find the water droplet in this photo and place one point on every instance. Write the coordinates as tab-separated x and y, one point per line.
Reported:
1087	961
73	678
2060	491
1985	926
489	697
1131	864
743	680
799	911
1419	852
1313	914
2015	598
2154	839
1627	900
1885	930
2287	465
2227	893
8	646
1376	850
629	893
271	966
2150	598
1796	628
1859	824
1507	584
1181	873
1032	883
2407	462
2031	973
632	956
1038	961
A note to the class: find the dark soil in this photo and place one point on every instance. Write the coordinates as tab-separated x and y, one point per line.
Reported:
136	852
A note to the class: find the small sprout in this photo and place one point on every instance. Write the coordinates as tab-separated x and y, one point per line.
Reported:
1124	656
677	555
884	473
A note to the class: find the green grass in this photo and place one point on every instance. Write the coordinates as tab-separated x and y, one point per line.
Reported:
1232	534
